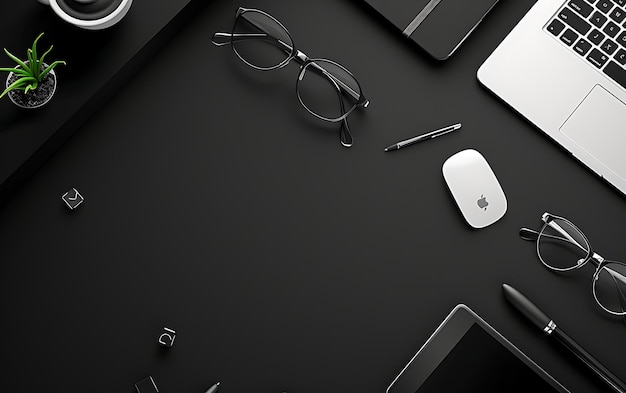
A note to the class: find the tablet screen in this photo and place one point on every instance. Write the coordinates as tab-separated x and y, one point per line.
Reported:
478	363
465	354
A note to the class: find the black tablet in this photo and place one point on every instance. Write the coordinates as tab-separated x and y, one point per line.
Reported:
465	354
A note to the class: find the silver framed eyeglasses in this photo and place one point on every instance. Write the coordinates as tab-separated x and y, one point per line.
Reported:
562	247
325	88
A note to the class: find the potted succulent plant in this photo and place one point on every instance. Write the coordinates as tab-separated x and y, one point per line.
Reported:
32	82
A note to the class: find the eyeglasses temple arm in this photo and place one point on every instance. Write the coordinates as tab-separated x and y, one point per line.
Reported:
263	34
531	235
563	232
355	95
344	132
528	234
221	39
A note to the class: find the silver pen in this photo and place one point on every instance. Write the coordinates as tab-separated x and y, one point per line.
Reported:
213	389
423	137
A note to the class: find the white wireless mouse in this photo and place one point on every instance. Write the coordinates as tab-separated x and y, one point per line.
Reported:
475	188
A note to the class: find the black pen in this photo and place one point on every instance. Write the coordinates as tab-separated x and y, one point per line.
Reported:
423	137
539	318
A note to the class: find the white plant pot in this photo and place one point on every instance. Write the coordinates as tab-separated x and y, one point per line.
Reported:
30	100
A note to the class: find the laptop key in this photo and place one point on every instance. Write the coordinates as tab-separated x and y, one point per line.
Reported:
596	36
620	56
604	5
574	21
617	73
621	2
597	58
609	46
582	47
618	15
581	7
556	27
598	19
569	37
611	29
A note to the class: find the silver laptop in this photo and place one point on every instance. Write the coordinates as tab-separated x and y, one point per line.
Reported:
563	68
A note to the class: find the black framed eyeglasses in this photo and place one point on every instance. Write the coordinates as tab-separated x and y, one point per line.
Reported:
562	247
263	43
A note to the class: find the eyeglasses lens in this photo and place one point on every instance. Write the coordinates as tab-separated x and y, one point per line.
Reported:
562	246
609	287
260	41
327	89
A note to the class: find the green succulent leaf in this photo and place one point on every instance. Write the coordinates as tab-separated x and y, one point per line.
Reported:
18	71
31	86
36	63
32	63
50	67
34	48
19	84
23	82
41	60
15	59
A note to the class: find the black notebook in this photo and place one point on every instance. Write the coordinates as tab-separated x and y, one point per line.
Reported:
437	26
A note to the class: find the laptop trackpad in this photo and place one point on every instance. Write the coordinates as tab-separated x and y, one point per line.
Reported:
597	126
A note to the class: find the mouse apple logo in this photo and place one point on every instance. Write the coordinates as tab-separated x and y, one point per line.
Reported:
482	202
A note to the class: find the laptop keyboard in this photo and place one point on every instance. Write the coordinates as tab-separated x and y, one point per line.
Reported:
595	30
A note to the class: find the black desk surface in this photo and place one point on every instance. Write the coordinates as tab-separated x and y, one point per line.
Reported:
215	205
